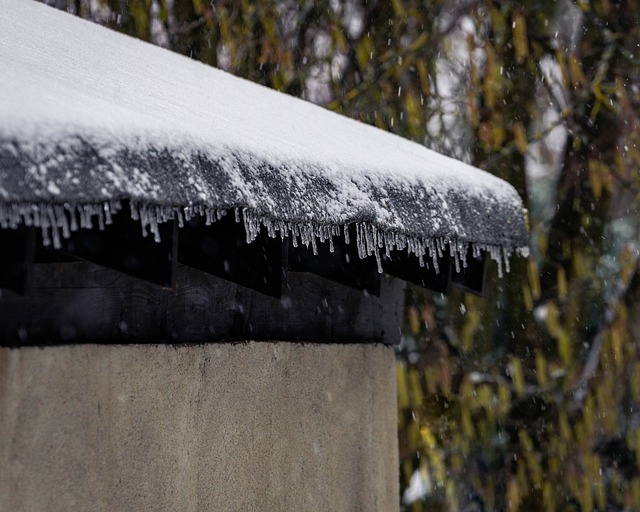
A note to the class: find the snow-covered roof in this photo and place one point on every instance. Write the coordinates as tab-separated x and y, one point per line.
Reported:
90	118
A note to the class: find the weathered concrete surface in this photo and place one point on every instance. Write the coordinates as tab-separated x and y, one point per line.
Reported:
221	427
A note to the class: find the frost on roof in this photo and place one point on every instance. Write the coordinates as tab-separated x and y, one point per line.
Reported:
90	118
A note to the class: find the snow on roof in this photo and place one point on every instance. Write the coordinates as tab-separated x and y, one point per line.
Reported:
90	118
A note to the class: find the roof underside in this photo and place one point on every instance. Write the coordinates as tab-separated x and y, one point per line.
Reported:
91	119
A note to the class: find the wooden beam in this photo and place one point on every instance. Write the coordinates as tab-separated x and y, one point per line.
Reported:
80	302
221	249
16	258
121	246
342	265
405	266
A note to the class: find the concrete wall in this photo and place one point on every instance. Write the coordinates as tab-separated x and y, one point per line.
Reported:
221	427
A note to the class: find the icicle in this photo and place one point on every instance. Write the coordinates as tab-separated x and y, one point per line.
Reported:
370	238
8	213
100	214
401	242
506	256
496	255
5	216
106	208
35	213
46	240
85	217
45	226
23	214
387	244
62	221
431	246
135	212
369	242
464	249
150	217
143	220
251	225
154	223
271	230
366	241
306	234
247	226
115	206
55	220
47	220
454	252
180	218
361	241
73	211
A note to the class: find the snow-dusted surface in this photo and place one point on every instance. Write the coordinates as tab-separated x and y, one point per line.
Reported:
90	117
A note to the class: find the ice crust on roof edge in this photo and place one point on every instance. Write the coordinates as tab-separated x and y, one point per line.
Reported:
58	221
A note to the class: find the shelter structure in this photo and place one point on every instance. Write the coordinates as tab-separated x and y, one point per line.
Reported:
202	279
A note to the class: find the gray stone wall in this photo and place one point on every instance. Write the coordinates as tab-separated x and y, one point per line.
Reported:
222	427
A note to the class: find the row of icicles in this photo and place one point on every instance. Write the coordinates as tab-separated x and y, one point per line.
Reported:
58	221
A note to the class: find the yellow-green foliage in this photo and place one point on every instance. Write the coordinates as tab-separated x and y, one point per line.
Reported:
543	410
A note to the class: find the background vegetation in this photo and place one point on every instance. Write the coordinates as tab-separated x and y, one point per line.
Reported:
528	398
